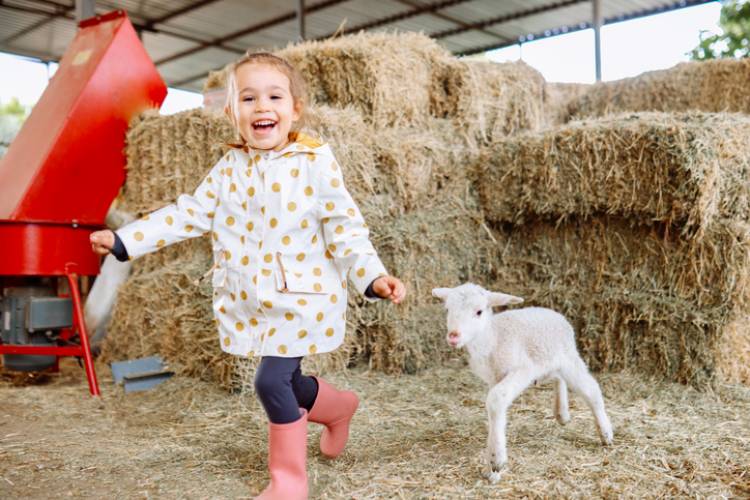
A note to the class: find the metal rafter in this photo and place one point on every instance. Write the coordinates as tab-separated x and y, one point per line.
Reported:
59	9
587	25
507	17
422	9
63	10
31	10
138	26
455	20
179	12
291	15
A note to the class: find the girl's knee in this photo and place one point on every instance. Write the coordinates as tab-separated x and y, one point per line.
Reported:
267	383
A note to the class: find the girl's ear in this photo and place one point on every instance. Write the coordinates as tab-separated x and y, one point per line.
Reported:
297	111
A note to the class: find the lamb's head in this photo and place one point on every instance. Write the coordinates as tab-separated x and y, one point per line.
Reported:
470	310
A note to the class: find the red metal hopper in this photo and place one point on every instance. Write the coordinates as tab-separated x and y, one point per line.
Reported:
57	182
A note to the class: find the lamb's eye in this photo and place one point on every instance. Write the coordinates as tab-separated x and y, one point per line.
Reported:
479	312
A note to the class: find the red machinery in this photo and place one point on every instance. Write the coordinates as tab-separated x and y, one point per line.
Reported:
57	182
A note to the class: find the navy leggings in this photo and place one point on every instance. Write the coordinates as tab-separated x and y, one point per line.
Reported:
283	390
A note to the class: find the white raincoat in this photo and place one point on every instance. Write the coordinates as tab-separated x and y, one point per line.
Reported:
285	233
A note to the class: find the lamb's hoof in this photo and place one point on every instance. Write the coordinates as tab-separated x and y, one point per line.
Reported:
492	477
494	471
606	437
493	474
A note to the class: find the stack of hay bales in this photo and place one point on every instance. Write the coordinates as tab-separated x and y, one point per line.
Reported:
406	142
637	227
406	79
714	86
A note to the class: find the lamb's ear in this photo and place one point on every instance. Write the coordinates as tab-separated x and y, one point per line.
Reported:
502	299
441	293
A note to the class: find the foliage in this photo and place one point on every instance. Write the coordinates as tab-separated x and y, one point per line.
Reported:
735	39
12	116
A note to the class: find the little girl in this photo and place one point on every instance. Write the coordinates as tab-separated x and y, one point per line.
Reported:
285	234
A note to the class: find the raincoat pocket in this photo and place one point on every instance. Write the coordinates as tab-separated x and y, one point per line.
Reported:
292	280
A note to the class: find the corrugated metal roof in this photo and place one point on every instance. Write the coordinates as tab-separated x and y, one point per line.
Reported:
188	38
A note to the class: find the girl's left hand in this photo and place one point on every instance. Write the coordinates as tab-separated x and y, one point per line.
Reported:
389	287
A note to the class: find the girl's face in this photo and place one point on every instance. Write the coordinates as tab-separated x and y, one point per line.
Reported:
266	107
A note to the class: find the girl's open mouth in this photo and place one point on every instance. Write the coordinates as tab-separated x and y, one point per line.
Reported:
263	126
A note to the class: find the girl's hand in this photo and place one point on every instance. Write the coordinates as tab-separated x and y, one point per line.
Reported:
389	287
102	241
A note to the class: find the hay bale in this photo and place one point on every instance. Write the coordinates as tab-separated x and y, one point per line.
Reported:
421	163
714	86
386	76
170	155
686	170
216	80
488	100
640	295
558	98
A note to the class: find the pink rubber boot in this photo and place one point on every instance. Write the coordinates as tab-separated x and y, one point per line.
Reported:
334	409
287	456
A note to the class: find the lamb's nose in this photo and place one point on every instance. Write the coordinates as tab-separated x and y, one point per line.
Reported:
453	335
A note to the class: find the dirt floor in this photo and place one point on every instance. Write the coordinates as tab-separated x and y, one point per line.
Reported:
416	436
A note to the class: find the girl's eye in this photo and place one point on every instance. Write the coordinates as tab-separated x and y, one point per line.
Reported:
479	312
247	99
275	97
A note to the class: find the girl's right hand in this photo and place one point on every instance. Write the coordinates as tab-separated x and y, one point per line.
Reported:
102	241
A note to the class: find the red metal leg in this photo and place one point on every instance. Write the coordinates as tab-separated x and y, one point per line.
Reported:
78	322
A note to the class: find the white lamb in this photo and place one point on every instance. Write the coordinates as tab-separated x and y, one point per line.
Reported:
511	350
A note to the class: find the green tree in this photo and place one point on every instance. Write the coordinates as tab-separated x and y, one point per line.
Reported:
12	116
735	39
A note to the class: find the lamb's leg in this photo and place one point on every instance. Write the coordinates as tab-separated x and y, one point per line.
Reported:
499	399
561	402
577	375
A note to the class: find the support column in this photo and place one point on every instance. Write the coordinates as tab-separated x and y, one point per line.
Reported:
597	24
301	18
85	9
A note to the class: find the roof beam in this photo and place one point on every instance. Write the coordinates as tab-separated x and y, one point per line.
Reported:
138	26
289	16
31	10
85	9
424	9
51	16
150	23
587	25
372	24
507	17
455	20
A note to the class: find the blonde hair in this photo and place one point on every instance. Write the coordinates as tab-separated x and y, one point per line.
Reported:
297	85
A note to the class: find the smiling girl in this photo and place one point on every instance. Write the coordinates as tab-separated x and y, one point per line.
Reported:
285	234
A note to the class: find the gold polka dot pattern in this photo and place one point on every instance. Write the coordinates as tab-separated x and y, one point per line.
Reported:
297	203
